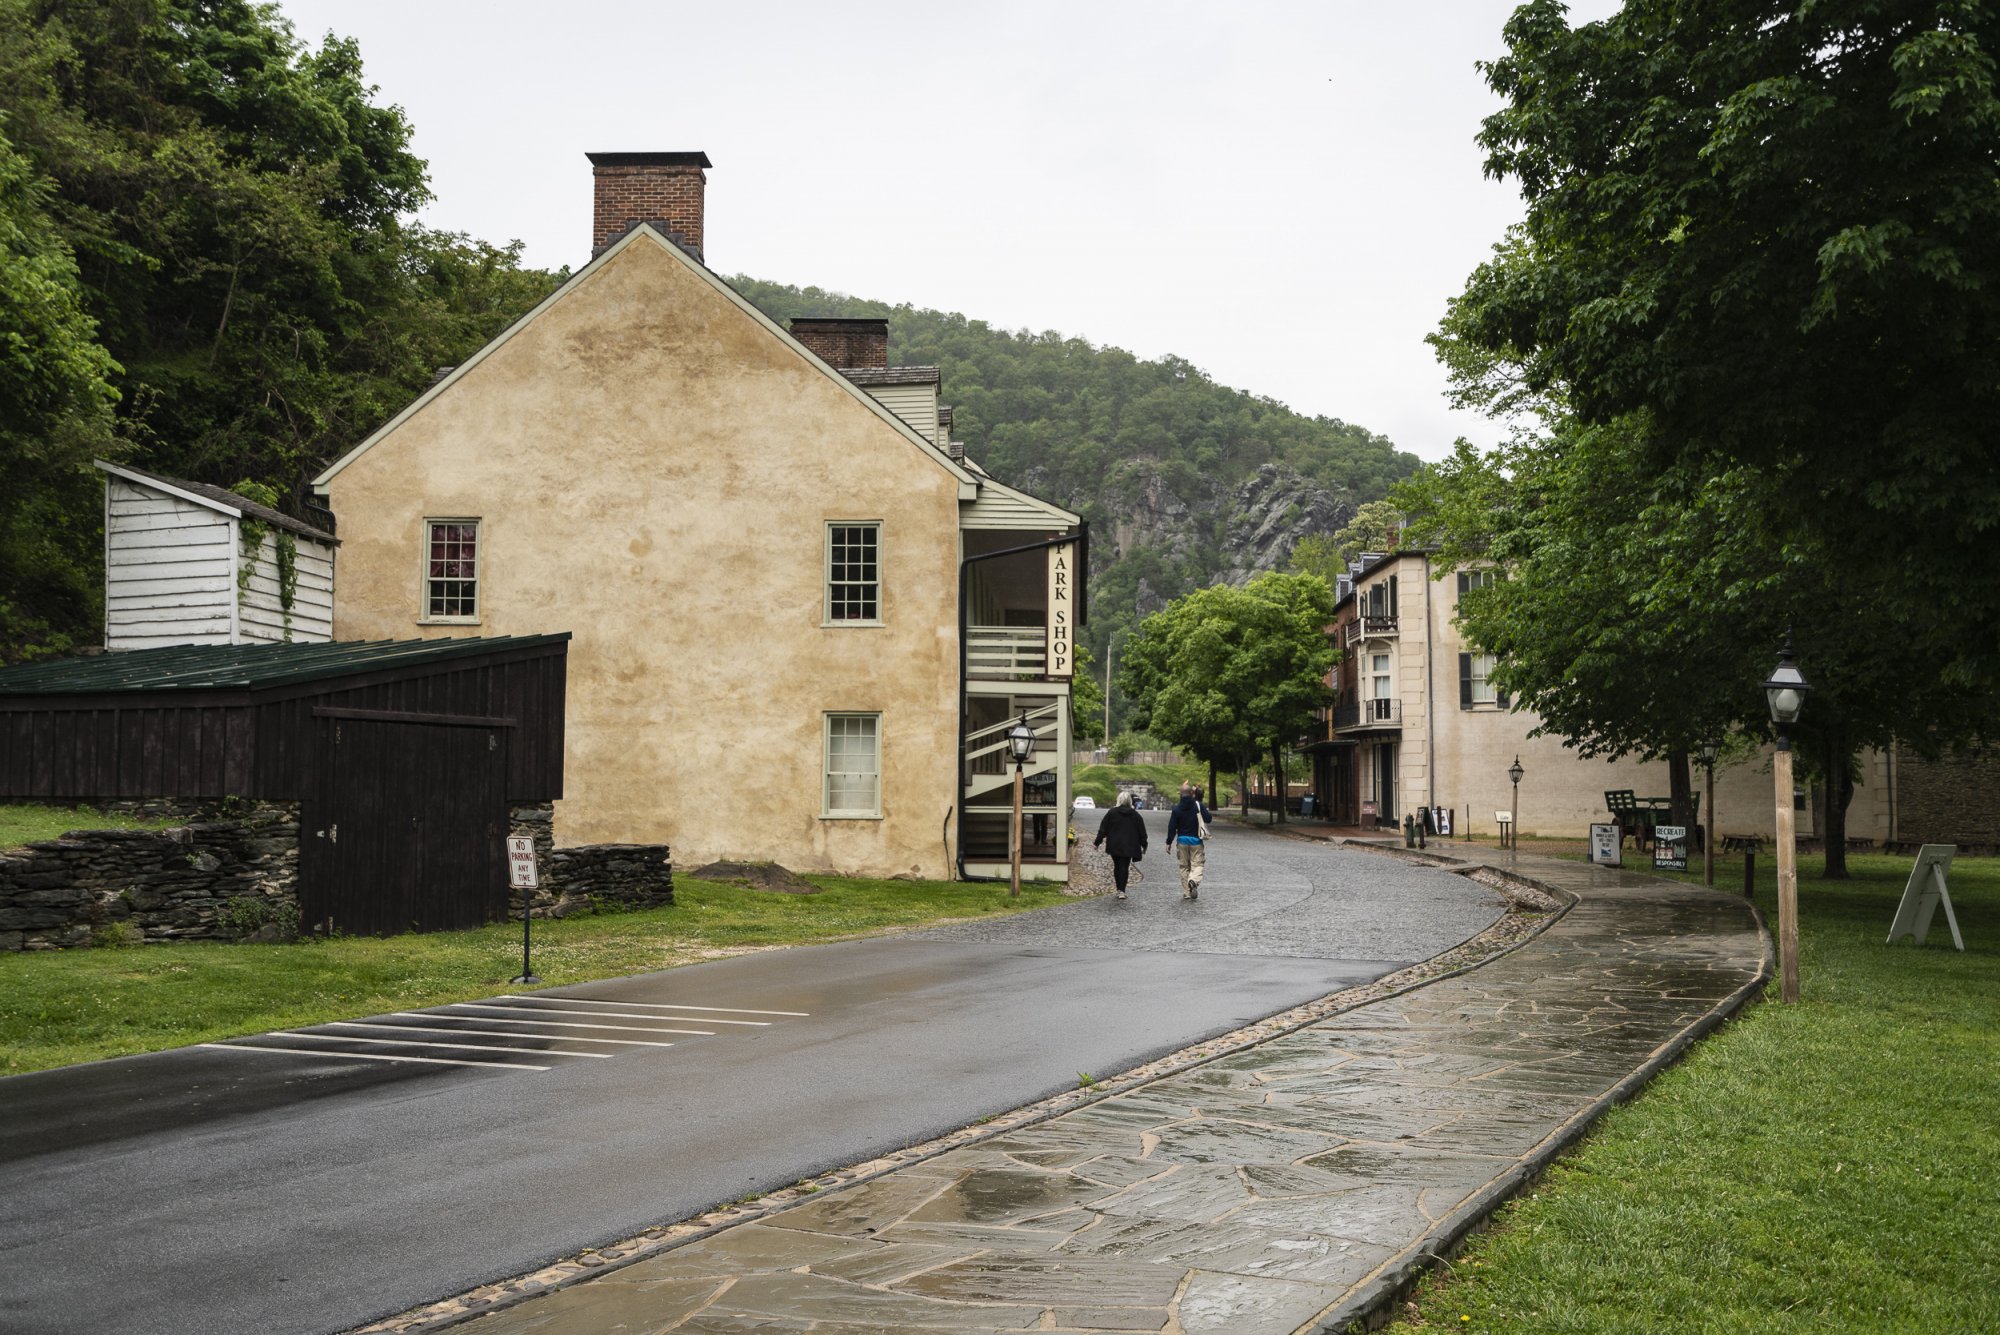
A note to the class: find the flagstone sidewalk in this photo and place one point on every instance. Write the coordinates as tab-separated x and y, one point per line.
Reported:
1292	1186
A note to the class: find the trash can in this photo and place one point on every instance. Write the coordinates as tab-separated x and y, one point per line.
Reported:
1306	805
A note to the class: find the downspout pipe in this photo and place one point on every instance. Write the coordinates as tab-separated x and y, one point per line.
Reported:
965	563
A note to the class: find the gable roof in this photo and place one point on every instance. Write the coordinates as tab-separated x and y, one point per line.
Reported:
211	667
646	233
219	499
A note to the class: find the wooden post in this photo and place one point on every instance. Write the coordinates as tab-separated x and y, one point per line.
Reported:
1708	828
1015	891
1788	877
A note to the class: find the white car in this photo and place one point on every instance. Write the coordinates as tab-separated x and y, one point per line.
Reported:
1086	803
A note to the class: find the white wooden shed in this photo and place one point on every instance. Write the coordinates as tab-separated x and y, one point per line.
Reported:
190	563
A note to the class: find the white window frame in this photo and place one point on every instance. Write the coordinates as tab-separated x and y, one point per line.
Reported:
829	725
424	614
1483	692
828	582
1480	579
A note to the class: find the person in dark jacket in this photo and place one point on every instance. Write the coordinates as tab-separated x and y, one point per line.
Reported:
1123	830
1187	834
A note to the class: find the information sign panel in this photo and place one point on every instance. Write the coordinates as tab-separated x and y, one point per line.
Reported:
1607	847
1921	897
1670	848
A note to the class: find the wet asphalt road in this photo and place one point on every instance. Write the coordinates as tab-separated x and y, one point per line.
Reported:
239	1191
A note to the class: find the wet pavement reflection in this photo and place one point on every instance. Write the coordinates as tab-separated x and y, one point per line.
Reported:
1272	1190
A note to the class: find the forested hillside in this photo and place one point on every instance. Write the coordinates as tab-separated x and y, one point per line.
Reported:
1184	481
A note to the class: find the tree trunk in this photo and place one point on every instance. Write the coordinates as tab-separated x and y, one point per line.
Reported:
1838	790
1278	768
1243	783
1680	792
1212	795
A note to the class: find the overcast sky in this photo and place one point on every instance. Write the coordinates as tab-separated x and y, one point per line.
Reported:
1284	194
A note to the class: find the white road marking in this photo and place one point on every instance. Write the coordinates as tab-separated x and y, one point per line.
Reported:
427	1043
560	1024
374	1057
483	1033
656	1005
564	1010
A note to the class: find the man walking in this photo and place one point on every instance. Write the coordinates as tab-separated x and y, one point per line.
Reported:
1187	832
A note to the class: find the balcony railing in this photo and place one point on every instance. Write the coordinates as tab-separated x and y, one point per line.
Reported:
1369	628
1359	714
1006	653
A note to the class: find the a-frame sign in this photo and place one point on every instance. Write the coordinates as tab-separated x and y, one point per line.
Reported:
1923	894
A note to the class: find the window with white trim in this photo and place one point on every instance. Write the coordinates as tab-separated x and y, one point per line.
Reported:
1468	580
1482	680
451	570
853	765
853	573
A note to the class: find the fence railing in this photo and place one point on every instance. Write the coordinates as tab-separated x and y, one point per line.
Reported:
1006	653
1368	714
1369	628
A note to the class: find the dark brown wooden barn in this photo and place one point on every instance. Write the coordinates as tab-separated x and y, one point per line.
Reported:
403	755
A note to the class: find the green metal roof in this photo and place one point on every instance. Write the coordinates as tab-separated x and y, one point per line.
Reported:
221	667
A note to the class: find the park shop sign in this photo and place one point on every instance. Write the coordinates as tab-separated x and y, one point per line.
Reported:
1062	611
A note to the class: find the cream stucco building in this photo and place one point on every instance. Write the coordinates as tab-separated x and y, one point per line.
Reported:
793	638
1417	723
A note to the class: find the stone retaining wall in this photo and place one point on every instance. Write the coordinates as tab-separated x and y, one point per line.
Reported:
229	872
217	877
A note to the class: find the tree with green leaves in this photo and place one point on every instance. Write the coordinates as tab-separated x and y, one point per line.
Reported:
1771	228
237	207
56	404
1757	267
1225	673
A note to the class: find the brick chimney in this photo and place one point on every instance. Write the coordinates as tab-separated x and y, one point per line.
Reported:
661	188
845	345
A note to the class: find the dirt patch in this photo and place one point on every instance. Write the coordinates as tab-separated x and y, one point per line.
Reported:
757	876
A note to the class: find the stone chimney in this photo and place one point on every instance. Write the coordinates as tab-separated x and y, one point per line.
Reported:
845	345
661	188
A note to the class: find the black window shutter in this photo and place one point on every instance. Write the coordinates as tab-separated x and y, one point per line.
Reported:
1501	697
1392	595
1463	583
1465	681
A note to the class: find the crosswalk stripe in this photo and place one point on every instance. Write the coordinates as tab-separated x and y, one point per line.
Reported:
564	1024
373	1057
657	1005
428	1043
470	1019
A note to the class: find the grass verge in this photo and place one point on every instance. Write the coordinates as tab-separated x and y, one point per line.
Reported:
58	1007
1101	781
1828	1166
30	822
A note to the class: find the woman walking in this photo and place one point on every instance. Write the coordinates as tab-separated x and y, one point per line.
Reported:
1187	832
1123	833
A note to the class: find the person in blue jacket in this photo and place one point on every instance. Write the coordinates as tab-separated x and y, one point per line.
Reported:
1187	834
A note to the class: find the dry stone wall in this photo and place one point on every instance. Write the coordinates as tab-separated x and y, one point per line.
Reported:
216	877
229	872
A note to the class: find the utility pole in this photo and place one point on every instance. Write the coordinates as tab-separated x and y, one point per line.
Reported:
1110	648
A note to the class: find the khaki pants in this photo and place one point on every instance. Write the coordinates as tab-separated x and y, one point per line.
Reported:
1192	859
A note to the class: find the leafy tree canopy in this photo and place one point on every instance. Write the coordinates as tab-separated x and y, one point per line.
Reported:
237	209
1225	673
1773	229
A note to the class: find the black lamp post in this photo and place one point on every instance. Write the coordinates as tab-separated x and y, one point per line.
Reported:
1020	741
1514	772
1707	752
1785	692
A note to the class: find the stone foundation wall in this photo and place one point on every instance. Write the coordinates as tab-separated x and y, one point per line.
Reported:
220	876
574	880
229	872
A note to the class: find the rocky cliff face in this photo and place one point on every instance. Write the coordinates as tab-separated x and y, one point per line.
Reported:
1192	532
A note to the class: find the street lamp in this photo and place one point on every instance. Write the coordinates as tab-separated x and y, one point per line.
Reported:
1514	772
1785	691
1020	741
1707	752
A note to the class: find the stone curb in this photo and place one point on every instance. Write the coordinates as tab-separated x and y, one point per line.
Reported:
1375	1295
562	1274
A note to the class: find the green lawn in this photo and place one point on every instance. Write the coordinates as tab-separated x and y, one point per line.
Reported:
1101	781
29	822
58	1007
1831	1166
